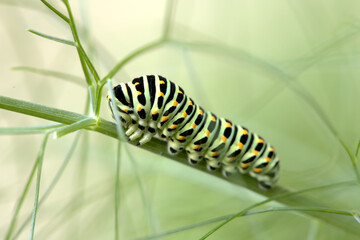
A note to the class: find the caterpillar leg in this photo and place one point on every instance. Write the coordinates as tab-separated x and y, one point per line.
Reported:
228	170
174	147
212	165
194	158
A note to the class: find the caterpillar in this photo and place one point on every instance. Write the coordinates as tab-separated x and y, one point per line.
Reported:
152	105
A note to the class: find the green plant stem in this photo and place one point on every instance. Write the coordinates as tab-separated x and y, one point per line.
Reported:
159	147
142	50
21	201
62	16
37	192
82	54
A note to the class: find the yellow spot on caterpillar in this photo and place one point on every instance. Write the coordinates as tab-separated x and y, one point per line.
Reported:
163	119
240	145
125	110
197	146
231	159
173	126
139	93
184	114
162	82
267	159
255	152
181	138
181	92
207	132
154	112
193	125
190	103
213	118
137	83
245	132
161	94
244	165
227	124
271	149
214	154
201	112
139	109
175	103
261	140
257	170
223	139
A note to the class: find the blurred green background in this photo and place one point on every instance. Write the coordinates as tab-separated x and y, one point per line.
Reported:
286	69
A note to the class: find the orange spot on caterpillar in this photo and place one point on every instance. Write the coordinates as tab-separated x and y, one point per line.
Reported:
155	112
193	125
190	103
260	140
231	159
214	154
173	126
139	109
181	138
175	103
245	132
240	145
197	146
257	170
163	119
161	94
180	92
255	152
223	139
184	114
244	165
137	83
267	159
162	82
201	112
213	118
227	124
207	132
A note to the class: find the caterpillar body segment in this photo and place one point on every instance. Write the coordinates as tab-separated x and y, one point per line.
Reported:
152	105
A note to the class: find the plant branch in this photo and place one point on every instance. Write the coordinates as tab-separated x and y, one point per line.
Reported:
159	147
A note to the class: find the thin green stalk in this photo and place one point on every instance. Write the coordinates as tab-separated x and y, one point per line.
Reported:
117	175
21	201
81	51
84	123
99	94
56	39
53	182
131	56
281	196
352	157
29	130
357	150
62	16
37	192
168	18
117	190
230	217
301	209
64	76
